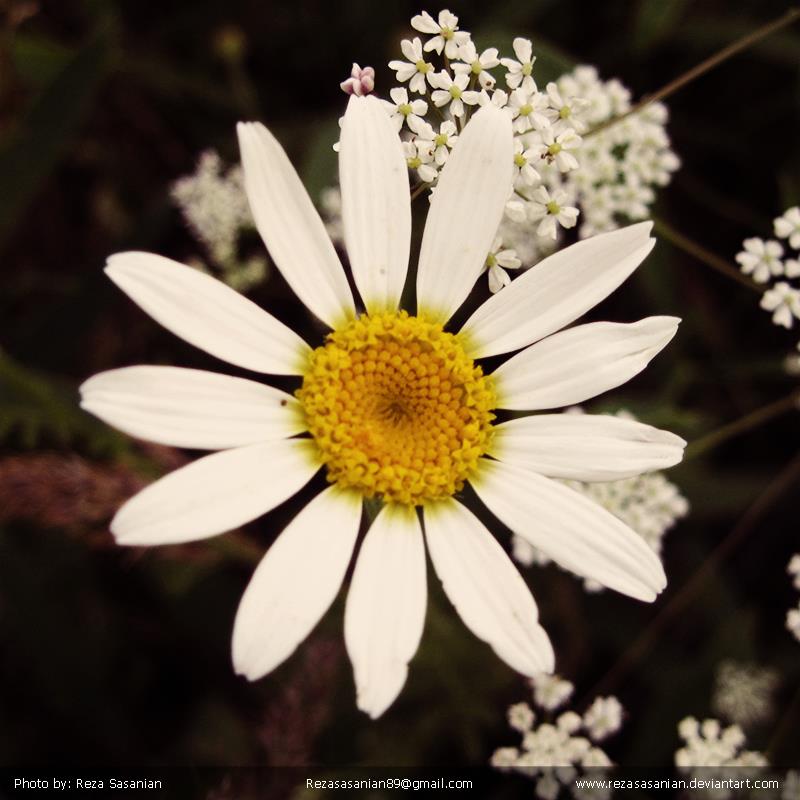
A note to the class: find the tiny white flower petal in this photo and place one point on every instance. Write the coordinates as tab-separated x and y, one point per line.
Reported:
208	314
216	493
556	291
376	204
465	213
295	583
570	529
580	363
485	587
385	611
585	447
190	407
291	227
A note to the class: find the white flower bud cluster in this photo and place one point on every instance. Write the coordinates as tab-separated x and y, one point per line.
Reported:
743	693
649	504
214	204
554	751
793	615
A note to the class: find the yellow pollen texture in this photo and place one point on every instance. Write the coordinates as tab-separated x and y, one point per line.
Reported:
397	408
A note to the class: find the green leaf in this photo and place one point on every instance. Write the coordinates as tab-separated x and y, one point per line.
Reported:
36	409
35	146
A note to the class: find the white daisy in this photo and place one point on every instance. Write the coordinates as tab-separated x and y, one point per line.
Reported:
392	406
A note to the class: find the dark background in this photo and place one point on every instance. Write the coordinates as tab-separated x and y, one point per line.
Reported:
113	655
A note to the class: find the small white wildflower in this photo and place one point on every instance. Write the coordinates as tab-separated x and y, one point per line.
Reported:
416	70
498	261
794	565
402	109
504	757
521	717
761	259
791	268
522	68
527	106
556	147
445	32
360	82
564	110
787	226
420	159
603	718
793	622
452	90
440	143
524	172
478	65
547	787
551	691
784	303
551	209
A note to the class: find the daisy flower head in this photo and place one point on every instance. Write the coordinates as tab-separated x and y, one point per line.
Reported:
392	406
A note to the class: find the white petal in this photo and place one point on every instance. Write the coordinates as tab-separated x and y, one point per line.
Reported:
570	529
216	493
585	447
385	610
191	407
295	583
580	363
208	314
465	212
556	291
376	203
486	588
291	227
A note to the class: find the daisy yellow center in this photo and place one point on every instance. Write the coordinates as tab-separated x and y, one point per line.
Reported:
397	408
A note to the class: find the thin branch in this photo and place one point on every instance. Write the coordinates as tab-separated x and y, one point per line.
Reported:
701	254
705	66
705	574
746	423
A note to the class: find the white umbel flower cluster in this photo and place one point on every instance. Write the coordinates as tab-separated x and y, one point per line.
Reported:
743	693
767	260
610	176
554	751
620	166
650	504
708	744
793	615
214	204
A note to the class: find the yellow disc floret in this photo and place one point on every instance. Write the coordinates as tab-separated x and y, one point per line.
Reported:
397	408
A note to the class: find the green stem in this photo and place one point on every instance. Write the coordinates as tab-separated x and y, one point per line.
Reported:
746	423
701	254
704	66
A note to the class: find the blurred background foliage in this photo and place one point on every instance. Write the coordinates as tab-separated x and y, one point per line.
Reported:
115	655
